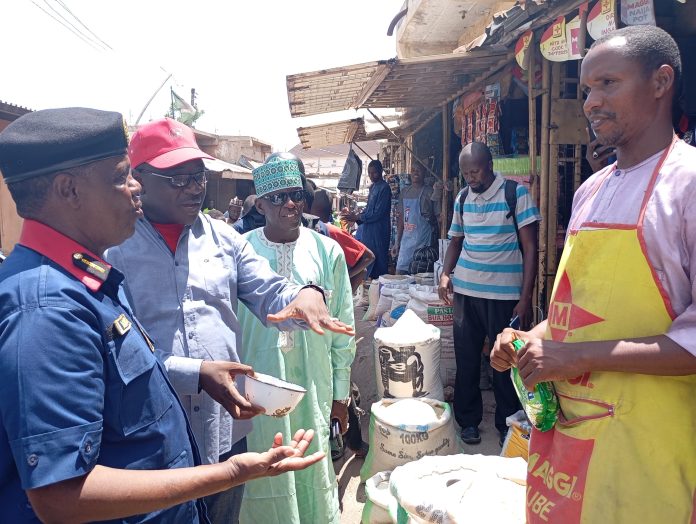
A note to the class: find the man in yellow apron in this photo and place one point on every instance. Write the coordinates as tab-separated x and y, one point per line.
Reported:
620	341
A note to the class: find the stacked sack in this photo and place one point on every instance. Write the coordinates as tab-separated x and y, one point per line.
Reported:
381	294
426	304
412	420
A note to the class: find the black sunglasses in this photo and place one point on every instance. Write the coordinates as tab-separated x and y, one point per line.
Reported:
181	181
280	199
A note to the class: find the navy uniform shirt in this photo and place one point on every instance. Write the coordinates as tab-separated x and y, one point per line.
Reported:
79	382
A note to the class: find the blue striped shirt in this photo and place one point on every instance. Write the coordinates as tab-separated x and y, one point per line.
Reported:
490	264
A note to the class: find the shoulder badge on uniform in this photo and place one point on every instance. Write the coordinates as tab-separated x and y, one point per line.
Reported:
91	265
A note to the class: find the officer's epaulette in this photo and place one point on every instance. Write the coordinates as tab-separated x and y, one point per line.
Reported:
91	265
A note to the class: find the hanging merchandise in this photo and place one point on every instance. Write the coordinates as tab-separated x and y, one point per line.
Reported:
492	119
352	170
481	112
519	141
394	182
457	116
601	20
638	12
468	135
522	49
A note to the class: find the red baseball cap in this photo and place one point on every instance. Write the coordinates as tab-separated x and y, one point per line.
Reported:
163	144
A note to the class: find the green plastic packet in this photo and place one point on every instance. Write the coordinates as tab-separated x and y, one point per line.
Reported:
541	404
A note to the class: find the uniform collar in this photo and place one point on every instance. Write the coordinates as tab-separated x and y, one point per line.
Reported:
493	189
80	262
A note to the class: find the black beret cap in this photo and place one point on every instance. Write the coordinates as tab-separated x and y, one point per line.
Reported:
52	140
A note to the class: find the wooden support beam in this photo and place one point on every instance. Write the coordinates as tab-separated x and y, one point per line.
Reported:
445	169
544	181
552	222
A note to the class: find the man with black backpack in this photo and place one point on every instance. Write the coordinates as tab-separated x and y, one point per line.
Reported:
492	252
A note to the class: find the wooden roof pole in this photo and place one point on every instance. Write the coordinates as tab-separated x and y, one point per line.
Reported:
445	170
361	149
532	141
544	179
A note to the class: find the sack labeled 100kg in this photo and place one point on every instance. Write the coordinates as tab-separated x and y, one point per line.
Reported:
405	430
407	359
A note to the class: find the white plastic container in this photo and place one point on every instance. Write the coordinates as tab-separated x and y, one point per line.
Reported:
276	396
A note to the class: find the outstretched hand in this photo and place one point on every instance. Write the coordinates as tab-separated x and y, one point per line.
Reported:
216	378
309	306
278	459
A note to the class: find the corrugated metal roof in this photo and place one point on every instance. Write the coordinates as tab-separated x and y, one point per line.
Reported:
331	90
323	135
12	112
432	81
411	82
343	132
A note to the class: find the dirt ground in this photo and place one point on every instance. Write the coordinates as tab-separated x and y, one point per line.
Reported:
351	491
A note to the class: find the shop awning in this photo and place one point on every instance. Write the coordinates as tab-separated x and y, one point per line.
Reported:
425	82
343	132
228	170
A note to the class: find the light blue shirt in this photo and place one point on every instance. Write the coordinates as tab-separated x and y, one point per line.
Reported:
490	264
188	303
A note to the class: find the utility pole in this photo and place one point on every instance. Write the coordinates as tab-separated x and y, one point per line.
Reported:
151	98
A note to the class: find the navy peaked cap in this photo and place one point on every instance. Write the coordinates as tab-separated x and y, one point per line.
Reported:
52	140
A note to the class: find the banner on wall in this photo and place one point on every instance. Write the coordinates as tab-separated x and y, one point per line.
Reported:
638	12
554	45
560	41
601	20
522	49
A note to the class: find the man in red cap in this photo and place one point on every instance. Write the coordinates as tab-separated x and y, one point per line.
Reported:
90	427
185	274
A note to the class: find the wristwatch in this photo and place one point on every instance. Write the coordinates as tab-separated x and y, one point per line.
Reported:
344	402
318	288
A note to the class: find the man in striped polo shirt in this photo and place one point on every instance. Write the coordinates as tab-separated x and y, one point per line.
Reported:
493	256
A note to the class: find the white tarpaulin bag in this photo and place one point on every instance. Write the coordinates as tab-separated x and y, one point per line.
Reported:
405	430
407	359
373	299
460	489
380	506
389	285
426	303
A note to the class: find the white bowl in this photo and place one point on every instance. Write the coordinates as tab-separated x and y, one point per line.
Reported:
276	396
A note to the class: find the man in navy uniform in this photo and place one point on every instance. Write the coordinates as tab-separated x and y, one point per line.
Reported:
90	427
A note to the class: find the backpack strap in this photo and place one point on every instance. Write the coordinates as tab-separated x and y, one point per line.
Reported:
462	198
511	201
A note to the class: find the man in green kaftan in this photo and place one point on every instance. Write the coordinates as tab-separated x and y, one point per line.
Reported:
319	363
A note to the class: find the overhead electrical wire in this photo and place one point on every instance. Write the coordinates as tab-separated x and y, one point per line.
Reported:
76	33
52	8
64	6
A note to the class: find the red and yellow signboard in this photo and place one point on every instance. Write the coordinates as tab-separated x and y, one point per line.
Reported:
522	49
602	19
560	40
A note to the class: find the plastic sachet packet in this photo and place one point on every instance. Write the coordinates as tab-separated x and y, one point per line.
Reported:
541	404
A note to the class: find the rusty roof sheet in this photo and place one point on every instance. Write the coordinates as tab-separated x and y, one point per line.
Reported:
398	83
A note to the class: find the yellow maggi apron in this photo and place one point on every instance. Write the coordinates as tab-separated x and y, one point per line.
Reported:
624	448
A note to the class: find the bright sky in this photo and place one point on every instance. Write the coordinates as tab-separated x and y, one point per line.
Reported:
235	53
